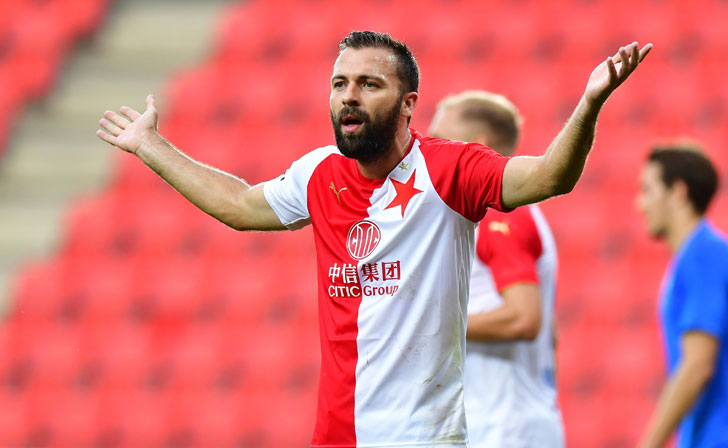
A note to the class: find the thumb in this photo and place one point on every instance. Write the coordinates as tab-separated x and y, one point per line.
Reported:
151	103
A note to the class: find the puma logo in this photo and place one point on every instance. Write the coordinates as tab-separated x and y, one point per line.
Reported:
337	193
501	227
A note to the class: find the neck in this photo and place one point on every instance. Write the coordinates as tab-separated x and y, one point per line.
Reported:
378	169
681	229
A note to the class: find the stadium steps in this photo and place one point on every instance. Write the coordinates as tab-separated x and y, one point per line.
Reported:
54	154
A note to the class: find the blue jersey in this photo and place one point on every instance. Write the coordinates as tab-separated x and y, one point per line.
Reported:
695	298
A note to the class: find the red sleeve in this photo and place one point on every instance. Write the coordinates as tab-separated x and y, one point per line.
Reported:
467	176
510	245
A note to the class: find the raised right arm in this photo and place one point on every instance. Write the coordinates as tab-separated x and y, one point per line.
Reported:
221	195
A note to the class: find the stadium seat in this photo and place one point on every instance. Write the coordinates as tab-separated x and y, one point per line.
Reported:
15	421
133	418
192	334
41	292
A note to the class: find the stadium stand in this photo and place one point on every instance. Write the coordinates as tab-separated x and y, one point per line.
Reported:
153	325
35	37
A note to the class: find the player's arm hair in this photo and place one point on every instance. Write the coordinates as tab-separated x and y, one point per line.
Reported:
519	318
695	369
533	179
219	194
223	196
529	179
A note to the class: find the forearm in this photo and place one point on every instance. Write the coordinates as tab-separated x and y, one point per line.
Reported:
499	325
213	191
676	399
564	160
534	179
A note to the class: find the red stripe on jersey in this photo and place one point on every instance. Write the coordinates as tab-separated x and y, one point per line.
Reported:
469	182
510	245
334	212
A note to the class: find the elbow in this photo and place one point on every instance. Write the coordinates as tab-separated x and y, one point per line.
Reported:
563	188
557	187
233	220
528	329
703	372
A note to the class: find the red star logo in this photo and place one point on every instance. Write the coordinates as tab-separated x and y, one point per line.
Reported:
405	192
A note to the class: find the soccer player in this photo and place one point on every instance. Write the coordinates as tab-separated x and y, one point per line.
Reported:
510	390
393	216
677	185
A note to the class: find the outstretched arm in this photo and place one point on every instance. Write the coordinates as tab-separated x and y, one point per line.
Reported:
531	179
221	195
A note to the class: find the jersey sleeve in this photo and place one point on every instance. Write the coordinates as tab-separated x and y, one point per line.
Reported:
510	245
467	176
288	193
704	281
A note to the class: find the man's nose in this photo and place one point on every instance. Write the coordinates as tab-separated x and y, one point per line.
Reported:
351	95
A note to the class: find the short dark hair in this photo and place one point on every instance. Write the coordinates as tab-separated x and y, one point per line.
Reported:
688	163
407	70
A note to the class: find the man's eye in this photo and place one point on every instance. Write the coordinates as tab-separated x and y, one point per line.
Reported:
338	84
370	85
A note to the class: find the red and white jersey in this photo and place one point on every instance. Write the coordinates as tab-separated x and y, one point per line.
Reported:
394	258
510	392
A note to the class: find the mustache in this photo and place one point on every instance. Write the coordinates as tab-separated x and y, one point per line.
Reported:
354	112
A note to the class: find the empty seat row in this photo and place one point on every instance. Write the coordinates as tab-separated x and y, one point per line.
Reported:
35	38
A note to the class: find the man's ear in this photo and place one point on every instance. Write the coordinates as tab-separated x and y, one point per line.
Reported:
409	103
679	191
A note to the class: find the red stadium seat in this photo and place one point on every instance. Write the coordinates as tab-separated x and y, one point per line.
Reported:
15	420
41	292
121	352
68	418
133	419
185	332
82	17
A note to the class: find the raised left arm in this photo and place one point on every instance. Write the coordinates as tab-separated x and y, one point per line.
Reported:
532	179
699	352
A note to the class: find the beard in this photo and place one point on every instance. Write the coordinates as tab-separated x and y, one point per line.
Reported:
375	137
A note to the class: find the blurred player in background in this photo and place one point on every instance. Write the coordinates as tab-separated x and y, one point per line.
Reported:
510	390
393	216
677	185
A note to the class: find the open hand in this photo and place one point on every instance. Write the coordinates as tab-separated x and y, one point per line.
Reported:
130	129
611	73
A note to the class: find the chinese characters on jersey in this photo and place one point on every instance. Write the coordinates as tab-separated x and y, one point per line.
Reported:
347	281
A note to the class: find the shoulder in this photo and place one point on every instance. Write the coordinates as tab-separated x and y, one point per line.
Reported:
318	155
708	245
303	169
451	149
705	253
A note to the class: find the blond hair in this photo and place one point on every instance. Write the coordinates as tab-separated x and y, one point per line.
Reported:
493	114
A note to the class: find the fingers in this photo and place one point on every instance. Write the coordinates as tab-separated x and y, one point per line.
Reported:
130	113
110	139
110	127
635	57
617	58
151	103
628	58
612	70
624	57
644	51
116	119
